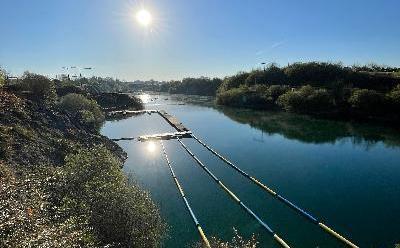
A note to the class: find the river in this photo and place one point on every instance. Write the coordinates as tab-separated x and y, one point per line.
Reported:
346	174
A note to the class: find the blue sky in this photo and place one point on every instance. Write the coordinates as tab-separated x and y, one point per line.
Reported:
194	38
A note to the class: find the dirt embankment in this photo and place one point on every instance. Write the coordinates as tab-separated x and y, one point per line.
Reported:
31	134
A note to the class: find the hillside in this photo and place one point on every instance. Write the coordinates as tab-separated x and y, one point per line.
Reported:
61	183
33	134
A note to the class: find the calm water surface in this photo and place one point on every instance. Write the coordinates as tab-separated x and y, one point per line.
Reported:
345	174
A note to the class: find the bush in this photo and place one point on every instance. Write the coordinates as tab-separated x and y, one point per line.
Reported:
274	91
233	97
394	98
233	81
365	101
39	87
271	75
97	189
315	73
87	111
118	101
29	218
67	87
236	242
2	77
306	100
244	96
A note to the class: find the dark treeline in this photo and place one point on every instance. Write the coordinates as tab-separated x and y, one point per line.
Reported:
193	86
316	74
323	89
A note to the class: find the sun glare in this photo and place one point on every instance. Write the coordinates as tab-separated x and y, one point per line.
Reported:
143	17
145	98
151	147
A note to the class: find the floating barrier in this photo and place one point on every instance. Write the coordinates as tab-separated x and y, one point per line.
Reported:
178	185
183	132
126	138
235	198
278	196
159	136
132	112
165	136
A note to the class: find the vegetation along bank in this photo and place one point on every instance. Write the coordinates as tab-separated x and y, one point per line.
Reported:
61	183
320	89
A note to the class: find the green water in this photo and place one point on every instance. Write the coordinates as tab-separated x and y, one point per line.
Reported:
345	174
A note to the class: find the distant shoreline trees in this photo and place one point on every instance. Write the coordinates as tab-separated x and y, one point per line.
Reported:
318	88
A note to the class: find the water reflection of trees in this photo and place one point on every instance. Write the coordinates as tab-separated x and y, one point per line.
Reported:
310	130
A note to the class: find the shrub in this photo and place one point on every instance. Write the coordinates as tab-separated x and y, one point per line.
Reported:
119	214
39	87
366	101
255	77
306	100
394	98
244	96
233	97
87	111
270	75
67	87
2	77
236	242
315	73
233	81
274	91
29	218
118	101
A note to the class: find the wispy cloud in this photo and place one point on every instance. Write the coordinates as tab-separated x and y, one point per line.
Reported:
278	44
273	46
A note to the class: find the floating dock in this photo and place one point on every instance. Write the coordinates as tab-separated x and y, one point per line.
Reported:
174	122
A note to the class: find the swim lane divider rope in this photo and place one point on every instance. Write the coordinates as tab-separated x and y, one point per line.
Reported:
180	189
278	196
234	197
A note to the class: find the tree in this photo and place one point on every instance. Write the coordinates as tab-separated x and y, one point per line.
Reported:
87	111
2	77
121	215
306	100
315	73
233	81
39	87
393	98
366	101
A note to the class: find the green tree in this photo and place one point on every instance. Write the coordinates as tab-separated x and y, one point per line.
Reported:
366	101
393	98
233	81
87	111
97	189
41	88
274	91
306	100
2	77
315	73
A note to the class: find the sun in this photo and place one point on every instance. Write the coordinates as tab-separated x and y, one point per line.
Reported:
143	17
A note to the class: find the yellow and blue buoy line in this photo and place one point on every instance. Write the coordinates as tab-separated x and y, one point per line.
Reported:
278	196
183	132
234	197
180	189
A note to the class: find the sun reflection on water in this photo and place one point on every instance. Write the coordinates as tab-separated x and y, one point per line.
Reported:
151	147
145	98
